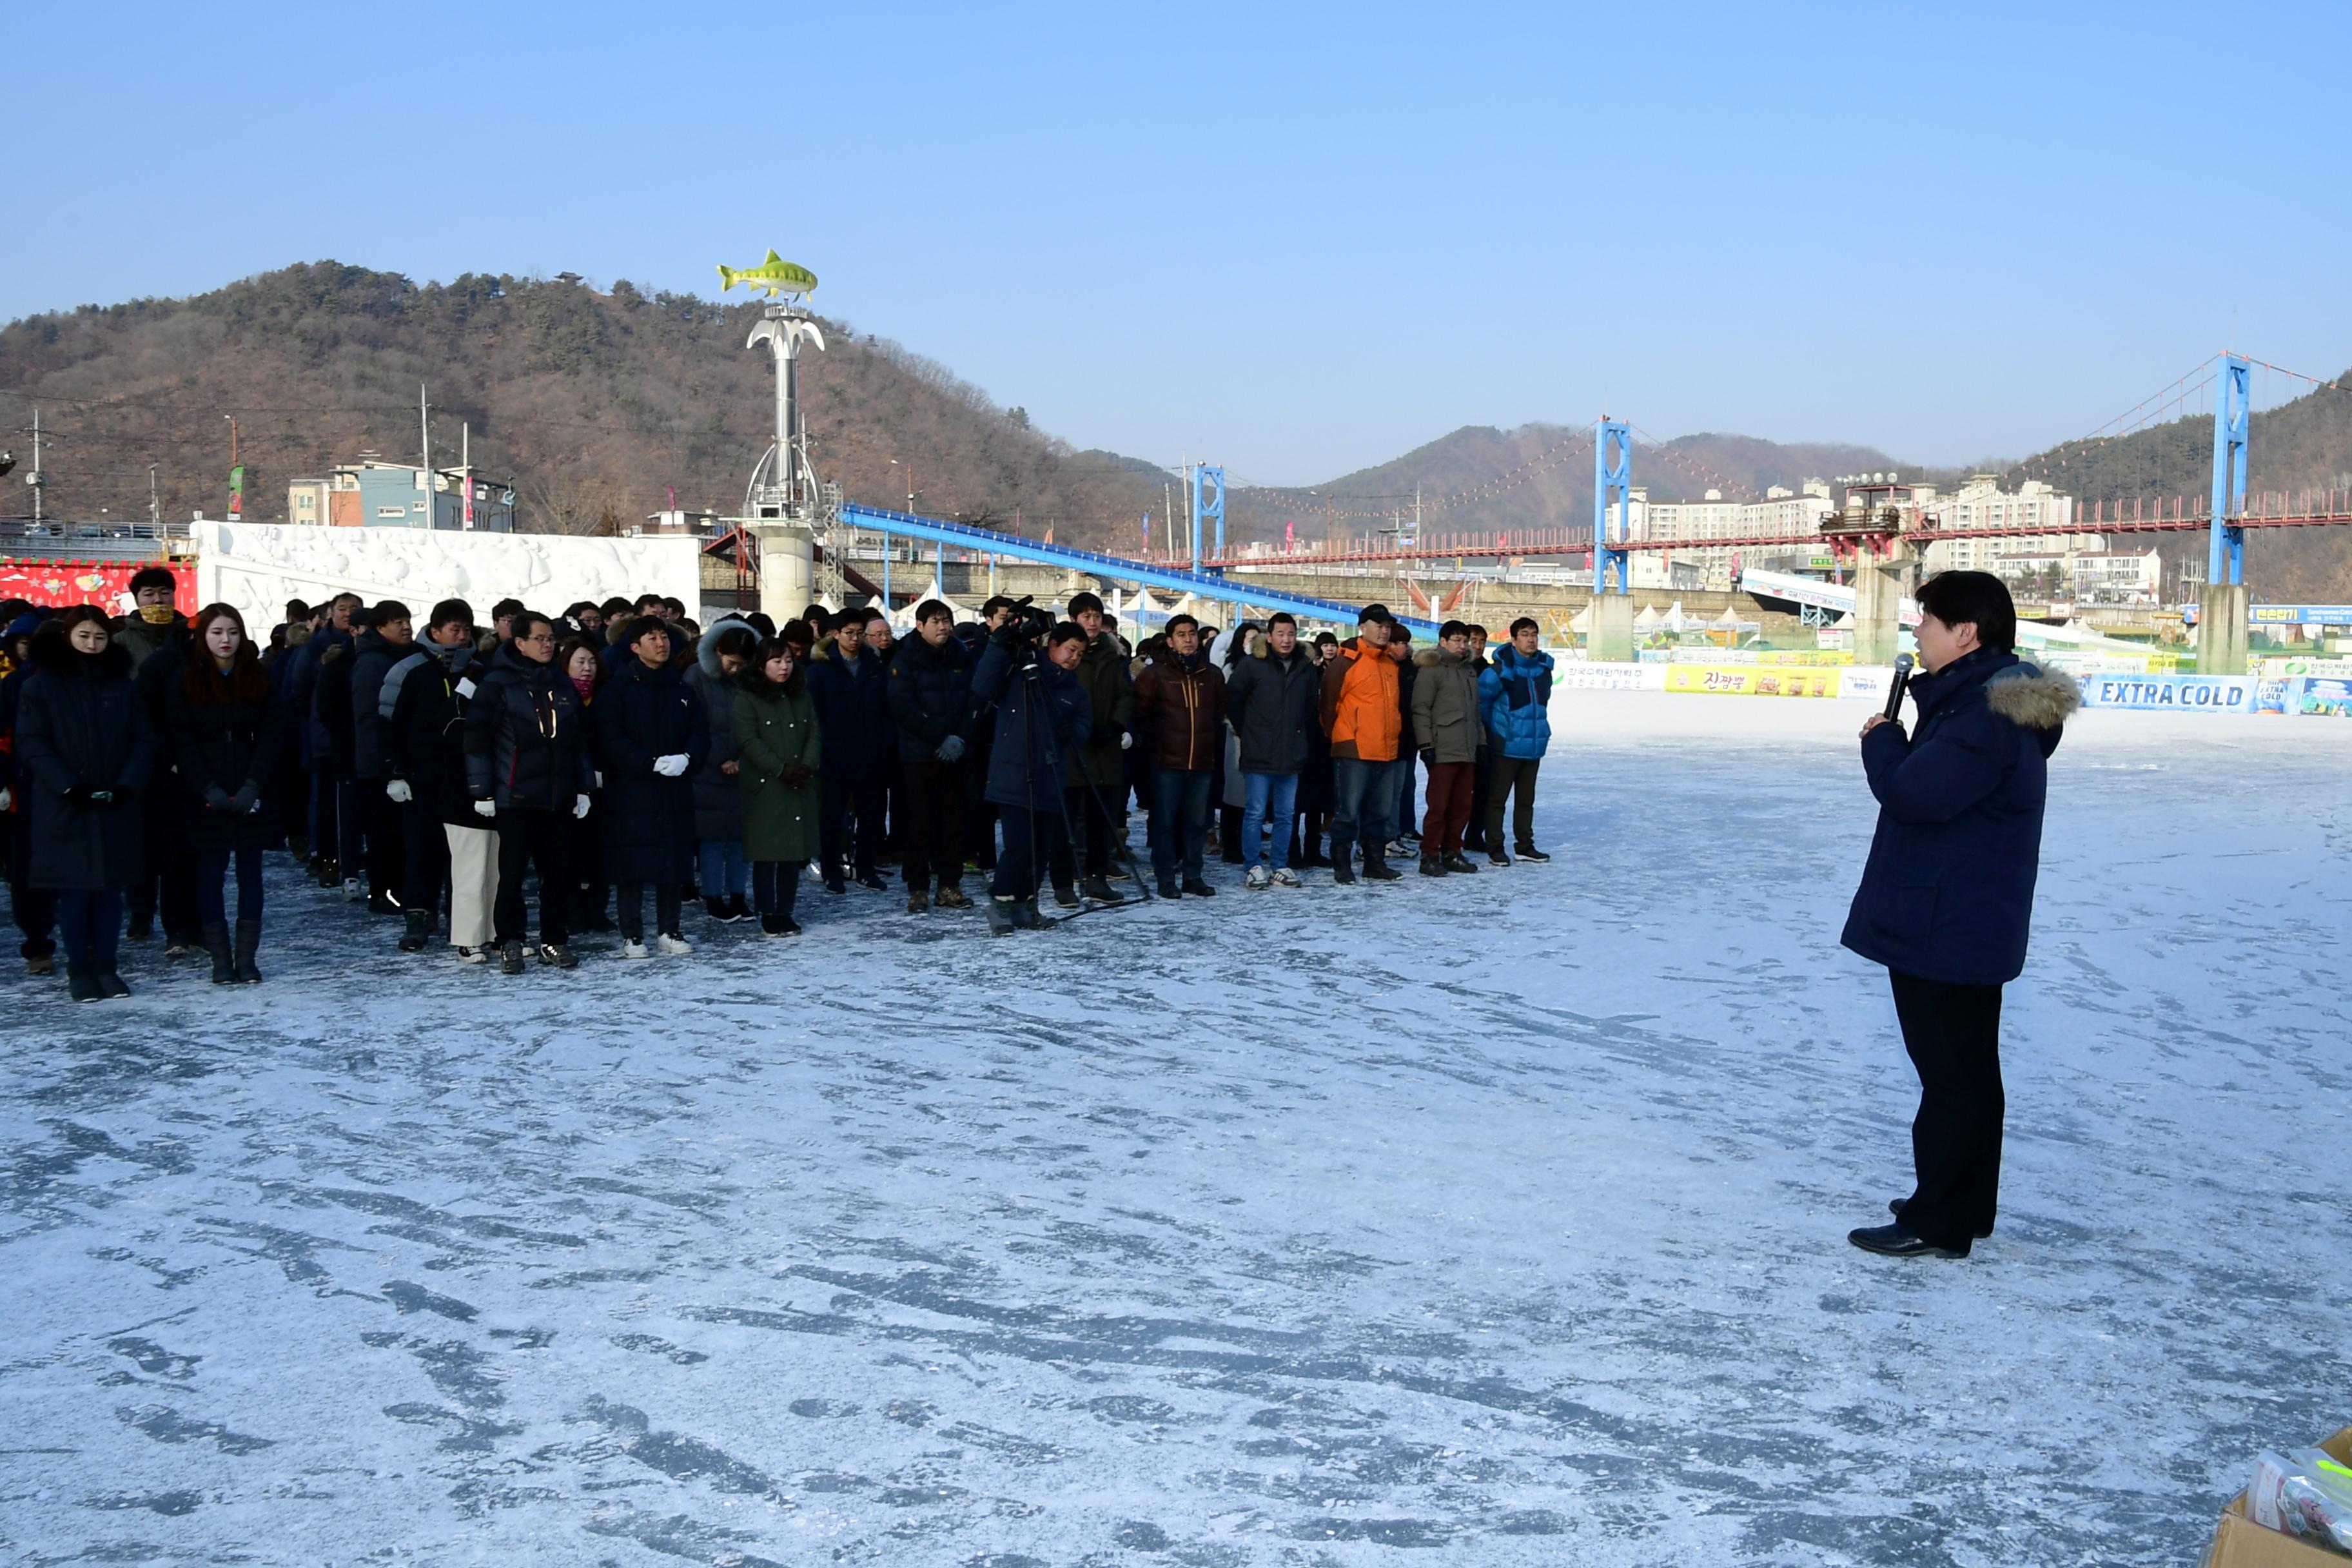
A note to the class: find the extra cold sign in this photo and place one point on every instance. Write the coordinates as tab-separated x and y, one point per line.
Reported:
2193	693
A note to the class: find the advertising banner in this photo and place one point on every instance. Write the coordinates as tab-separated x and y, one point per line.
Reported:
2323	696
2167	693
1579	676
1753	680
54	584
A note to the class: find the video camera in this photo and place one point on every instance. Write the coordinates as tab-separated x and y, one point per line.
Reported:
1027	624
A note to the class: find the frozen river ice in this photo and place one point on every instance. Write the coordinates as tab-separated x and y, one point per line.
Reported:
1493	1221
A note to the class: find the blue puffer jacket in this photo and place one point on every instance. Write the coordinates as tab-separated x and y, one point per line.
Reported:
1036	745
1948	893
1514	698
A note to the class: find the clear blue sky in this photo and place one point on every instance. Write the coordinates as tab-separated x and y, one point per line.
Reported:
1296	239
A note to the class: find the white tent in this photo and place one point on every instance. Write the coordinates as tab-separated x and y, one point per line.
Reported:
1672	618
1647	621
1582	624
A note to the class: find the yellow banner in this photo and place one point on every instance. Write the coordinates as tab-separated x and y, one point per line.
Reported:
1827	656
1753	680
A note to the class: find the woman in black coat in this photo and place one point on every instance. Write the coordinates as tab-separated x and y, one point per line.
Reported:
85	749
224	736
650	737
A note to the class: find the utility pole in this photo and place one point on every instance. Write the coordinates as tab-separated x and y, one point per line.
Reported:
466	471
235	476
38	480
425	429
154	501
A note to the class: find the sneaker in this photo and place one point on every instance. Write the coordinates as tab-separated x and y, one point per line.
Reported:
109	985
382	903
1198	888
873	884
835	885
791	926
1431	866
41	963
1100	890
952	898
1259	879
775	925
919	902
352	894
1284	876
1497	858
510	958
81	983
1000	916
739	909
1066	896
1529	852
1459	865
1343	871
631	947
1398	849
472	955
671	942
141	927
1380	871
557	956
174	947
717	912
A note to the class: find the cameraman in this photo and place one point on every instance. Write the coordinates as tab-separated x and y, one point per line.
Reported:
1948	893
1042	719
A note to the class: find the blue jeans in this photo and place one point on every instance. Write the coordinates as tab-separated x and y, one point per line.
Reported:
212	867
91	924
1362	796
1176	791
724	870
1269	794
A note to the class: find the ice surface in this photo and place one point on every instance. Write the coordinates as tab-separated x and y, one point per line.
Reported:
1499	1219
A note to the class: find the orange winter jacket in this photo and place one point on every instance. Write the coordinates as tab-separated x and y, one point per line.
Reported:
1361	712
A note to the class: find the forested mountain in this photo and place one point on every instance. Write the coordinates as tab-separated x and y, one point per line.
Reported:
600	406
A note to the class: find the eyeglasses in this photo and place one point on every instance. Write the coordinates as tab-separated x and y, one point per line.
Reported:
540	639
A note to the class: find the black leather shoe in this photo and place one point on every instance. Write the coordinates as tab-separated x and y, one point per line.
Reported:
1894	1241
1196	888
1895	1207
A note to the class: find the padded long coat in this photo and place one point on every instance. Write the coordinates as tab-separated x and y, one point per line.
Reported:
81	723
776	729
641	714
1948	892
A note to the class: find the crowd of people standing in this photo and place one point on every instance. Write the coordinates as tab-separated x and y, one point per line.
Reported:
617	760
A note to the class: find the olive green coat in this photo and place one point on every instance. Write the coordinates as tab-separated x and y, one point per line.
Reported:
775	729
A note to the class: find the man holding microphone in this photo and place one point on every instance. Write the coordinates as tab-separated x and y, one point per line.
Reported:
1948	893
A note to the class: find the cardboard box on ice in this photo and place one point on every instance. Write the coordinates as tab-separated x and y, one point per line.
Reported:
2240	1543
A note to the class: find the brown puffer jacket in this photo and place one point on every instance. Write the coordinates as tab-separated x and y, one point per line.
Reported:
1445	706
1180	705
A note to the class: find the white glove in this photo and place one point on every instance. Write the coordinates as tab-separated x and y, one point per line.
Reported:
671	766
599	778
486	808
6	800
579	806
397	792
1126	740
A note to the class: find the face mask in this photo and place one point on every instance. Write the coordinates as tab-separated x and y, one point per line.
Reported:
585	685
155	615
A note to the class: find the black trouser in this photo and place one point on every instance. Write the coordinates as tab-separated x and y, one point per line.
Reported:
1507	774
629	908
1482	779
833	803
929	820
1953	1033
168	868
1026	833
541	838
1090	818
426	865
36	908
386	855
775	886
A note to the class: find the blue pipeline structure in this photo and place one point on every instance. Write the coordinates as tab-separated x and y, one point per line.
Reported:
2226	558
1207	585
1207	503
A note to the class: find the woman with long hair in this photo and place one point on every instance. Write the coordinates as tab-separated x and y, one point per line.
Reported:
85	749
580	658
224	736
776	741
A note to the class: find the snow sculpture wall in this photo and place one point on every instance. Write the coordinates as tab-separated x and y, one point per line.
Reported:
257	566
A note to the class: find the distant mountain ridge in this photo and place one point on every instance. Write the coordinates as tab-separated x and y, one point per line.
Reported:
602	406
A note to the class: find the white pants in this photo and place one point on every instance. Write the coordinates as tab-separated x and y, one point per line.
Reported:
473	884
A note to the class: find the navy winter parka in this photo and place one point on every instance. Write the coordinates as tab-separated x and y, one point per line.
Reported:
1029	764
642	714
1271	703
1948	892
81	724
852	713
526	742
718	798
930	691
221	744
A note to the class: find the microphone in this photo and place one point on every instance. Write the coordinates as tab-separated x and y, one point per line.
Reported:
1896	688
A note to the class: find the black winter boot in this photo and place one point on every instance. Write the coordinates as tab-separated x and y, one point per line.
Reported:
511	958
1431	866
216	939
1026	915
1100	890
1460	865
416	929
81	983
248	942
1001	919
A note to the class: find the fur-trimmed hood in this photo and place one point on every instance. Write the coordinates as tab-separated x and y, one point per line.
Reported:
1436	654
2033	697
55	655
706	651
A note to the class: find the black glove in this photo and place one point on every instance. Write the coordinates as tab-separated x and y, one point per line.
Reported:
78	795
246	800
218	798
1428	756
1007	635
120	794
797	775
